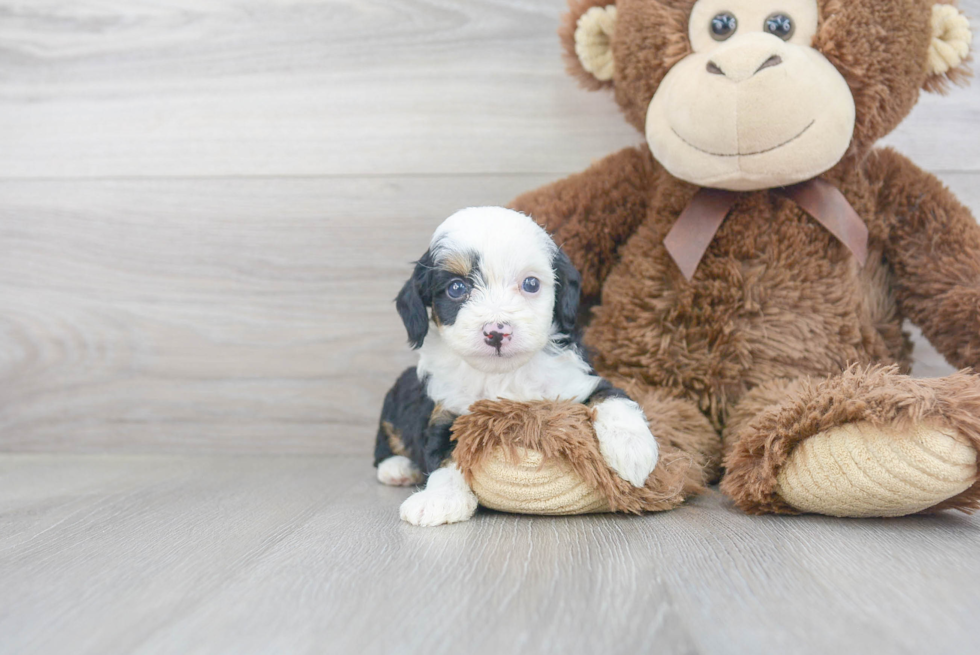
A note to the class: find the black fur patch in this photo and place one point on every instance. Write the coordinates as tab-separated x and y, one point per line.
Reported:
604	391
567	291
427	288
444	308
422	428
413	299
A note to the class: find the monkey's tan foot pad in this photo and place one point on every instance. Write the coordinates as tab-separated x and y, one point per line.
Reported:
534	486
861	470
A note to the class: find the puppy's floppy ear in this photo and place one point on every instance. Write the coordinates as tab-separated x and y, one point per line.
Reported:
413	299
568	288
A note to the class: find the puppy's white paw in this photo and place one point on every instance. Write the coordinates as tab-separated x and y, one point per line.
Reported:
625	440
446	499
436	507
398	471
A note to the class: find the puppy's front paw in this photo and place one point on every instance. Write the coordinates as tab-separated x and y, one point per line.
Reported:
625	440
398	471
428	508
445	499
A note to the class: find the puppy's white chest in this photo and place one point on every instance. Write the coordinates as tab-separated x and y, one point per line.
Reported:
548	376
498	387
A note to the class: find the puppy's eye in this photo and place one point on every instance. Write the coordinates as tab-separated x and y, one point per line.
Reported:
531	284
780	25
457	289
723	26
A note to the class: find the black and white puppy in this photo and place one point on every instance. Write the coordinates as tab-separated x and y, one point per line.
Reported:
491	308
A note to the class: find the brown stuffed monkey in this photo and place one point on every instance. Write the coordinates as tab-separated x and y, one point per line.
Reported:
749	268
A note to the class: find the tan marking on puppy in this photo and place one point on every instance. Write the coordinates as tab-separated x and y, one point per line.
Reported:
394	439
440	415
458	264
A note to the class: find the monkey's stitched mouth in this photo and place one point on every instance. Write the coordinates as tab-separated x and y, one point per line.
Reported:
745	154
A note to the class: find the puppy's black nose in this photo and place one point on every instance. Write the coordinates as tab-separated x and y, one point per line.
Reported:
496	334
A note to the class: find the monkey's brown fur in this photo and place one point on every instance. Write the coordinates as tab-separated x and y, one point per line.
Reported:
563	430
780	334
880	395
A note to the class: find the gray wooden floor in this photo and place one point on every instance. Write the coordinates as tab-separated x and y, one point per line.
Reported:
205	210
262	554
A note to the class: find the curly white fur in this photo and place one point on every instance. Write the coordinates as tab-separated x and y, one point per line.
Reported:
446	499
625	440
399	471
551	374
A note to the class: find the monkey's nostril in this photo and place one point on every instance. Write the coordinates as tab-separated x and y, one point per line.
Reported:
500	326
713	68
775	60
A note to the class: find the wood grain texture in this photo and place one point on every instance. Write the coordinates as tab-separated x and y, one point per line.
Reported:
336	87
237	315
124	554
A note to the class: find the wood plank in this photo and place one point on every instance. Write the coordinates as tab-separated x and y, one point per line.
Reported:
219	315
97	552
122	554
234	315
340	87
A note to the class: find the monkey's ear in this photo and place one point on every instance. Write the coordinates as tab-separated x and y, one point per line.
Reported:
950	48
412	301
568	289
586	34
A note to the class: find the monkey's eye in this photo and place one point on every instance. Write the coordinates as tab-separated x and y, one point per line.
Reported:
531	284
723	26
457	289
780	25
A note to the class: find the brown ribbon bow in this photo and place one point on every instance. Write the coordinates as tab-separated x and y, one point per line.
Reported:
697	225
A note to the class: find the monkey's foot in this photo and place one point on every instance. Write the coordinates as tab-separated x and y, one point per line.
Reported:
862	470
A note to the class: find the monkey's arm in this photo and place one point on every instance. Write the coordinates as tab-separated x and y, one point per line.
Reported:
933	245
590	214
